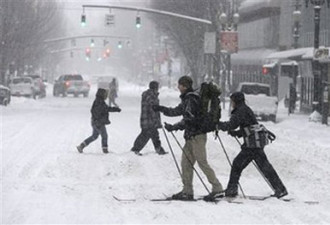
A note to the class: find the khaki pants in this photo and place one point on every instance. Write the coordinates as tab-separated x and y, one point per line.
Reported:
194	150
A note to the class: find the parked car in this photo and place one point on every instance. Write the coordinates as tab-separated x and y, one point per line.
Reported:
39	85
4	95
258	97
71	84
22	86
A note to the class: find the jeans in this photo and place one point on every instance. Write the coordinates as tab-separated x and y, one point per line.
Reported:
96	132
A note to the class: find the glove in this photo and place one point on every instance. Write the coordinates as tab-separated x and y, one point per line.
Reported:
158	108
220	126
169	127
232	133
116	109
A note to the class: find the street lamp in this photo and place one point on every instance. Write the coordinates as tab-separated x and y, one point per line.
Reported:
319	78
229	43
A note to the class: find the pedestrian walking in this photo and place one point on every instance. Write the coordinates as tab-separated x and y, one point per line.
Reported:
150	121
195	140
242	117
113	92
100	118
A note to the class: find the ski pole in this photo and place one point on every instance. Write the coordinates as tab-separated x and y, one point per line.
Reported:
192	165
257	167
169	145
231	166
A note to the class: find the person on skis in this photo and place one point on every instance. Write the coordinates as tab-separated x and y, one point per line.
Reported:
242	117
195	141
100	118
150	121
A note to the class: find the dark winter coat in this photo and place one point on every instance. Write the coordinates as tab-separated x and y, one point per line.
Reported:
190	109
149	118
242	116
100	110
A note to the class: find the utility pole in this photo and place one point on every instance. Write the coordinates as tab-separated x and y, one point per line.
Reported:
320	71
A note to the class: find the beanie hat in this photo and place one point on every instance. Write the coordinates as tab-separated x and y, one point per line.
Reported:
237	97
102	93
186	81
153	85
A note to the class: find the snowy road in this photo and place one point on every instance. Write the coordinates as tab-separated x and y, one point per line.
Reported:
45	181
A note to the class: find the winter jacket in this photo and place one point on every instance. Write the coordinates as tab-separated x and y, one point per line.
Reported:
190	109
100	110
149	118
242	116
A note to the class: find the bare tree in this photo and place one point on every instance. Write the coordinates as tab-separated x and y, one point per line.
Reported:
25	24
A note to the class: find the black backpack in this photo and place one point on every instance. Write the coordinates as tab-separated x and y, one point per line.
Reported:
210	103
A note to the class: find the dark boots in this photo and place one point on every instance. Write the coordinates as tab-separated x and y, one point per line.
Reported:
81	147
160	151
105	150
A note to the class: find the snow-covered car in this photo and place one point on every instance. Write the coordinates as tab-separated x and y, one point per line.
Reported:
258	97
4	95
39	85
22	86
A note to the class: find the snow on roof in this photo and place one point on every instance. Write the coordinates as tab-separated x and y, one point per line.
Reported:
251	56
251	3
299	53
253	83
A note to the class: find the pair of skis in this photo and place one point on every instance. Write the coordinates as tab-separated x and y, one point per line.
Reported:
224	199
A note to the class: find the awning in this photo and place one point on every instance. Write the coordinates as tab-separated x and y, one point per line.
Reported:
251	56
293	54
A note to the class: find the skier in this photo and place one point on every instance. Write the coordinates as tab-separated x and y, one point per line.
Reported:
100	117
113	92
195	140
243	117
149	121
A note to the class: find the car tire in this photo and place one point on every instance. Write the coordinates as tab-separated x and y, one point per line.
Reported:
272	118
86	94
75	95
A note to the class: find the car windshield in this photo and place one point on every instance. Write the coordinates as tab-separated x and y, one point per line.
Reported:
73	77
255	90
21	80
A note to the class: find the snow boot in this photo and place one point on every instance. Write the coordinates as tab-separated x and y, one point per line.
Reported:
81	147
231	193
105	150
136	152
214	195
160	151
281	193
183	196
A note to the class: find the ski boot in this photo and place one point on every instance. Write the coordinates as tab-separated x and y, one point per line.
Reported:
213	196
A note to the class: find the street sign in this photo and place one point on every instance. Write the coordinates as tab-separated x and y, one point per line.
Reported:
209	43
322	55
229	41
109	20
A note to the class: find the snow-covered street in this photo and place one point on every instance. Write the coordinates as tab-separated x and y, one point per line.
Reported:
46	181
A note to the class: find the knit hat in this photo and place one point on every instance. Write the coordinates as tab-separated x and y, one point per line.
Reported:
237	97
186	81
153	85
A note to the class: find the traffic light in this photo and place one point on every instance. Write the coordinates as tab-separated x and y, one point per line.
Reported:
107	52
83	20
88	53
138	22
120	45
